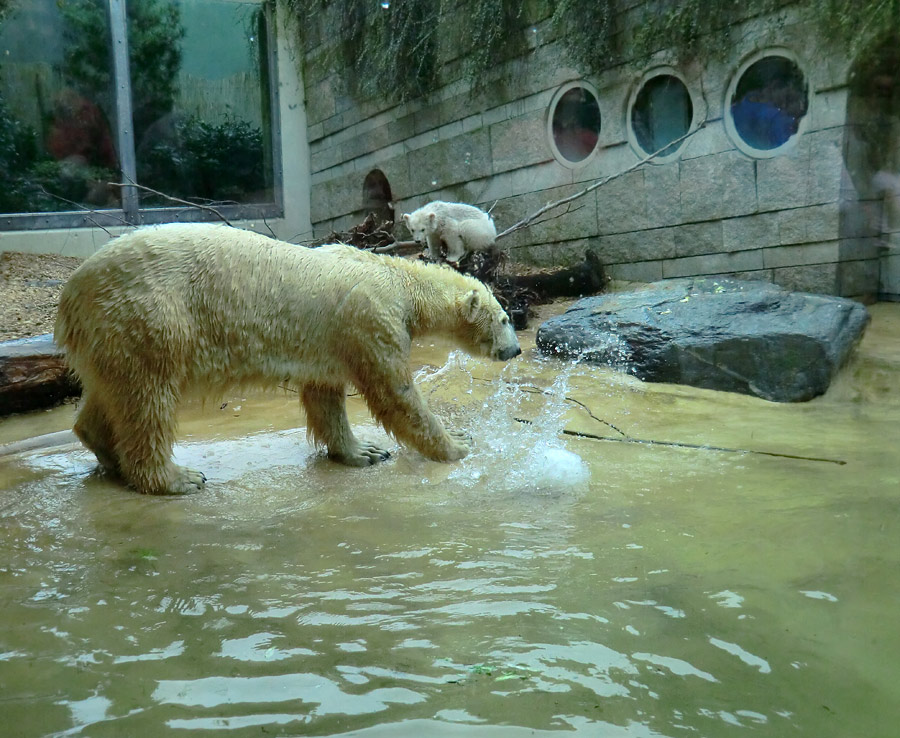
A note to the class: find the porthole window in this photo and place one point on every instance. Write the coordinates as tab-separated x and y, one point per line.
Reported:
766	103
661	113
574	123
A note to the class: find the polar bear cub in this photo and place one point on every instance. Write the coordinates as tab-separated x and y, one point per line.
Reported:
464	228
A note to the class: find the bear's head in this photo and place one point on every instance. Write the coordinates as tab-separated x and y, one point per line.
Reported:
418	223
486	329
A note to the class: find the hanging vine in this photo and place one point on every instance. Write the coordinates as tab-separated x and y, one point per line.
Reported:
391	48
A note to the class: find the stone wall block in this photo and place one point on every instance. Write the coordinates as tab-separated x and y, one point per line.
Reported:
724	263
858	279
662	190
335	197
784	180
641	271
320	101
720	186
750	232
556	254
326	159
809	224
826	166
622	204
820	279
809	253
855	249
519	142
451	161
637	246
698	238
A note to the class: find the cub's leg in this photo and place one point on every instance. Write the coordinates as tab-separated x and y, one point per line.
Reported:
327	424
397	405
456	248
93	429
144	428
434	245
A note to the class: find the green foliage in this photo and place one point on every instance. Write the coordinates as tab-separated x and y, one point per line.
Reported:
494	28
861	26
154	40
18	152
392	51
36	184
205	161
388	48
589	31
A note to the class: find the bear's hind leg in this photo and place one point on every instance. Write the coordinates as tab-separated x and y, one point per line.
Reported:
93	429
145	450
327	424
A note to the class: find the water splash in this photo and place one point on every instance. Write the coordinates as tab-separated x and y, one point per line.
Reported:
516	429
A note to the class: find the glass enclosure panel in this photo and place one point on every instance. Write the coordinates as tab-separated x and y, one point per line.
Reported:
57	110
202	123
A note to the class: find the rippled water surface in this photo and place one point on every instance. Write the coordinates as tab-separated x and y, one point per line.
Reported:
741	575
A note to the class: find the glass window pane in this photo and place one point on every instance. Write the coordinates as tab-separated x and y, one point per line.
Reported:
769	102
199	75
661	114
57	110
576	124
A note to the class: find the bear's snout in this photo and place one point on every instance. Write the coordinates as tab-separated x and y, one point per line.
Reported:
508	353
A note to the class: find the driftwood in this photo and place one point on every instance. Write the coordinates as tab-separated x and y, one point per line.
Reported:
33	375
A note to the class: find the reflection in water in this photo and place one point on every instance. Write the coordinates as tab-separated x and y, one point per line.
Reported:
642	591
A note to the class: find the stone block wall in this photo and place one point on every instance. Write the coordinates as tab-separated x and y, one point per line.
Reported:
714	210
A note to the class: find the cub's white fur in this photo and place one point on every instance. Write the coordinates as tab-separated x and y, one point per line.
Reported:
464	228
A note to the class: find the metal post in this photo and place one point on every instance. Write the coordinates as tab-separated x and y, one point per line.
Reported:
118	25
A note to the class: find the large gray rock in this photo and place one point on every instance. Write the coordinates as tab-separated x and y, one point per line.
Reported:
724	334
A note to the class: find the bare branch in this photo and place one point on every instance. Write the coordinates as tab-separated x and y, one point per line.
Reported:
88	211
170	198
600	182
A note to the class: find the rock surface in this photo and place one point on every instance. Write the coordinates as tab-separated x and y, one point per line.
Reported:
750	337
33	375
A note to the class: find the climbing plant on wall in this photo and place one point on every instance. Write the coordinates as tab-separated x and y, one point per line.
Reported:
392	48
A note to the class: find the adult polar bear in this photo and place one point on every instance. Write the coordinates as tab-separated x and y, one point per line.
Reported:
169	309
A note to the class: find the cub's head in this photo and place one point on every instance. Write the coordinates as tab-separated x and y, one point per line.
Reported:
418	223
485	328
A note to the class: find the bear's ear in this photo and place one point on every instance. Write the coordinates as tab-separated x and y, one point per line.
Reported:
471	304
406	217
432	217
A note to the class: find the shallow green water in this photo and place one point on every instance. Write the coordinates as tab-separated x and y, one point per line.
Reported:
675	592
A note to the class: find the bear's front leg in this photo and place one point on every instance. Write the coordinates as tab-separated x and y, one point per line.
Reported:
327	424
397	404
434	242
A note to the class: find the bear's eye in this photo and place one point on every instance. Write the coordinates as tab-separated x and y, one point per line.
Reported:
504	320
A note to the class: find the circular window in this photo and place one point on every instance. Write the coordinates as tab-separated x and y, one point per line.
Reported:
574	123
767	103
661	112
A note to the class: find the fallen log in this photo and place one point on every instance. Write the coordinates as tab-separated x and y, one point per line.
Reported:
33	375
